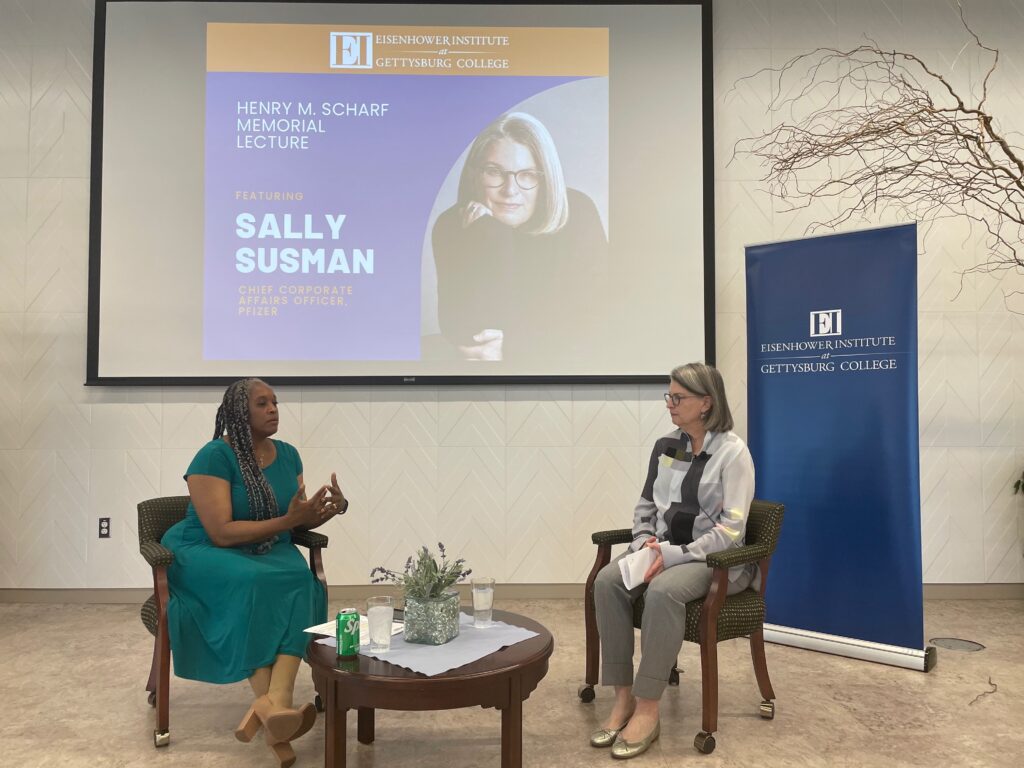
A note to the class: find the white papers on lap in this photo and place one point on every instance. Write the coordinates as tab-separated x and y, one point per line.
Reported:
635	565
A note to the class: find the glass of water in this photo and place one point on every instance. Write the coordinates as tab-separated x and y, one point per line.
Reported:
380	613
483	600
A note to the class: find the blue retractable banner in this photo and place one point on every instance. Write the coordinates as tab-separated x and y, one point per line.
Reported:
833	427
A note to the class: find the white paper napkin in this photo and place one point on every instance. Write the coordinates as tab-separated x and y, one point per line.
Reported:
329	628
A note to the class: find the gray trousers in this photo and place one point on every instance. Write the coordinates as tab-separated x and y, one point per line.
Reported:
663	623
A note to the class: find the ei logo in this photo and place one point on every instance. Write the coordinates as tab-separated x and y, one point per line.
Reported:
827	322
351	50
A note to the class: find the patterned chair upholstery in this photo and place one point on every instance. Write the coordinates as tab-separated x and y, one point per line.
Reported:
710	620
155	517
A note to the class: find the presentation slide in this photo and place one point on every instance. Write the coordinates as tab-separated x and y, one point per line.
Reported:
397	192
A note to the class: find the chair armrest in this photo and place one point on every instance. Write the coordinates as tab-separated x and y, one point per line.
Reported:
618	536
157	555
730	558
309	539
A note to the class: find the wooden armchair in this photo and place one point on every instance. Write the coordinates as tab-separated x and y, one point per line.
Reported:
710	620
155	517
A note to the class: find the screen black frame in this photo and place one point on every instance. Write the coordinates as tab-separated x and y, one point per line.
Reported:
93	378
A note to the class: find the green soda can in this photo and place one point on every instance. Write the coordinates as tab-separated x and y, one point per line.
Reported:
347	632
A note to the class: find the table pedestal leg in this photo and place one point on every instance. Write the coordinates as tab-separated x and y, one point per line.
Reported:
334	730
512	727
364	725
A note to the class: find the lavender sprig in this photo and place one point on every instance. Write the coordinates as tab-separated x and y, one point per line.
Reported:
423	576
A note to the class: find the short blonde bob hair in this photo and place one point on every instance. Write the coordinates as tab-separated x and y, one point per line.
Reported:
701	379
552	211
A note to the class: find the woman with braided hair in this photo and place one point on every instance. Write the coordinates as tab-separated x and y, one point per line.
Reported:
241	593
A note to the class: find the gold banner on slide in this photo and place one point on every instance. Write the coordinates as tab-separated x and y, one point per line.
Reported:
372	50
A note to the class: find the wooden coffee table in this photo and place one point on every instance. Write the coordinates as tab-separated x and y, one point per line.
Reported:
502	680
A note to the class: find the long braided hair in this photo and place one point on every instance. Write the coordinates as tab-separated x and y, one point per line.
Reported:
233	418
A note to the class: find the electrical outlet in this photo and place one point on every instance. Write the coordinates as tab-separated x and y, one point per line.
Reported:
104	527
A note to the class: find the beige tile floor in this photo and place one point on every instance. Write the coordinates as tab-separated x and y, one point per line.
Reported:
72	678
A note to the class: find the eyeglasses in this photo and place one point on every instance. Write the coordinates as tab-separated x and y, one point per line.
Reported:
672	397
495	177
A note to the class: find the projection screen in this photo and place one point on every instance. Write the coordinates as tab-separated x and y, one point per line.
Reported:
385	192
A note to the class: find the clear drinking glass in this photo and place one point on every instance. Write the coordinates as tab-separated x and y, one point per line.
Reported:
380	613
483	600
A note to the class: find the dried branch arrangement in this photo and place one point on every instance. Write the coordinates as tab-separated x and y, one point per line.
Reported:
905	140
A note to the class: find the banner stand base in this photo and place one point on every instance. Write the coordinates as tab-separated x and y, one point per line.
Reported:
923	660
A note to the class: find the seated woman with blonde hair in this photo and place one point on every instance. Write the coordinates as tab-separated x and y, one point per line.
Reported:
695	501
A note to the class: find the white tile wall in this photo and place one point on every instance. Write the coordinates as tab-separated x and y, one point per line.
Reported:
15	76
10	513
512	478
538	519
471	504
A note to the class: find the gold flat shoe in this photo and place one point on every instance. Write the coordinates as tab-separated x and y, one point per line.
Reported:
624	750
606	736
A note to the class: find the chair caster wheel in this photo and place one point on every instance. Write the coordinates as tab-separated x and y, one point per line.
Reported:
586	693
768	709
673	677
161	738
318	703
704	742
151	698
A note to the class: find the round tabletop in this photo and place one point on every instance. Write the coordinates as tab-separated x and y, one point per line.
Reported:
536	649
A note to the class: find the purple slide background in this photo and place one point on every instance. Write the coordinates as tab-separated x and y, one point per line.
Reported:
383	173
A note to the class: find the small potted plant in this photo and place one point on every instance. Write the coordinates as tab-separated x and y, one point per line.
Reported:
431	605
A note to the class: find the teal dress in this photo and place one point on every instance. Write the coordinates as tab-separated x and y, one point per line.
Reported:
232	611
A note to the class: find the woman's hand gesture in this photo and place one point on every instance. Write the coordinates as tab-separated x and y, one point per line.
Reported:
336	504
307	513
